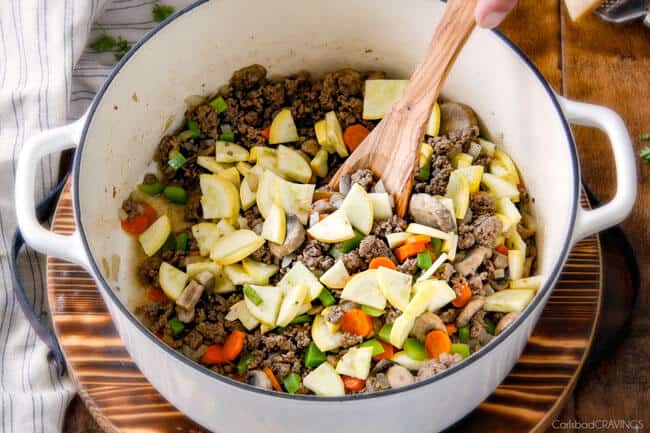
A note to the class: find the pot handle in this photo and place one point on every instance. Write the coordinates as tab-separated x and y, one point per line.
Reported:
67	247
589	222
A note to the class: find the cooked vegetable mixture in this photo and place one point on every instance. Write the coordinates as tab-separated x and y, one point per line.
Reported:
259	271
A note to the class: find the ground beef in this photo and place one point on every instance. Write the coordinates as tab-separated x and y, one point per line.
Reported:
155	315
483	160
445	271
449	315
393	225
278	342
335	314
174	258
475	282
435	366
486	230
371	247
478	331
314	255
254	219
377	383
482	203
350	340
441	169
132	208
392	313
166	145
193	208
248	77
193	339
353	262
262	254
213	333
148	270
364	178
409	266
299	334
466	238
206	117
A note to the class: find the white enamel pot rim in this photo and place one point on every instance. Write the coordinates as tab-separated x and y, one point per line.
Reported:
76	248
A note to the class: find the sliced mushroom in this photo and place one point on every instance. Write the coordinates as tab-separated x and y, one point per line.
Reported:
345	183
185	316
337	199
473	260
399	376
191	295
473	306
322	206
456	117
294	238
206	279
505	322
428	210
500	260
426	323
381	366
259	379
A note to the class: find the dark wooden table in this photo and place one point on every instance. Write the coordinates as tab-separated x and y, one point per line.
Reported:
609	65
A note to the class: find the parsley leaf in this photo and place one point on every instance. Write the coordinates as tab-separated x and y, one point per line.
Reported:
645	155
103	43
123	46
161	12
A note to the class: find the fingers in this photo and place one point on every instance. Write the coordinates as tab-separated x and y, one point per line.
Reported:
490	13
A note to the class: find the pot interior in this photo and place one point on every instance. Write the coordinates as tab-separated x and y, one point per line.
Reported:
198	51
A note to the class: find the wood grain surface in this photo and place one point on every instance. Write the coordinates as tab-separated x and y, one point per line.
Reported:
606	64
121	400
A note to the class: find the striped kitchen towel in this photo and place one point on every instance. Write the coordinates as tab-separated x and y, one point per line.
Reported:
48	77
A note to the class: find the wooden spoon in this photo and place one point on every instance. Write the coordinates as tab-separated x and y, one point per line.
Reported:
392	149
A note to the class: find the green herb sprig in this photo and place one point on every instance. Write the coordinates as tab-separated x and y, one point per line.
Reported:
160	12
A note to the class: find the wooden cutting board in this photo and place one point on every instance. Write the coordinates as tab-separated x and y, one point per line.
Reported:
121	400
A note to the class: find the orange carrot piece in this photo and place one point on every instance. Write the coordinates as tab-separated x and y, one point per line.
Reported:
233	345
388	352
274	380
419	239
266	133
409	250
156	295
502	249
436	343
322	195
463	298
357	322
353	384
379	262
354	136
214	355
451	328
141	222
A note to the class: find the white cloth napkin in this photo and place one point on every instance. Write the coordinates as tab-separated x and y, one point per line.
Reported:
47	78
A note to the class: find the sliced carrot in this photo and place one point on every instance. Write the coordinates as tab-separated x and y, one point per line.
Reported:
409	250
266	133
357	322
274	380
502	249
322	195
234	345
140	222
353	384
156	295
388	352
379	262
451	328
436	343
214	355
322	216
419	239
354	136
463	298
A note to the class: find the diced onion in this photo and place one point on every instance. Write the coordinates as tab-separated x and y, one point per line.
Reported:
194	100
475	149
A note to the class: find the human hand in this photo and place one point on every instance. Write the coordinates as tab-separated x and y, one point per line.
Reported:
490	13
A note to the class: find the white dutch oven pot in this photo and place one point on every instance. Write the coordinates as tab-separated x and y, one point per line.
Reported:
195	52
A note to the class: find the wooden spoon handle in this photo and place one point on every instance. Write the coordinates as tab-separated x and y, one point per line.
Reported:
426	82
